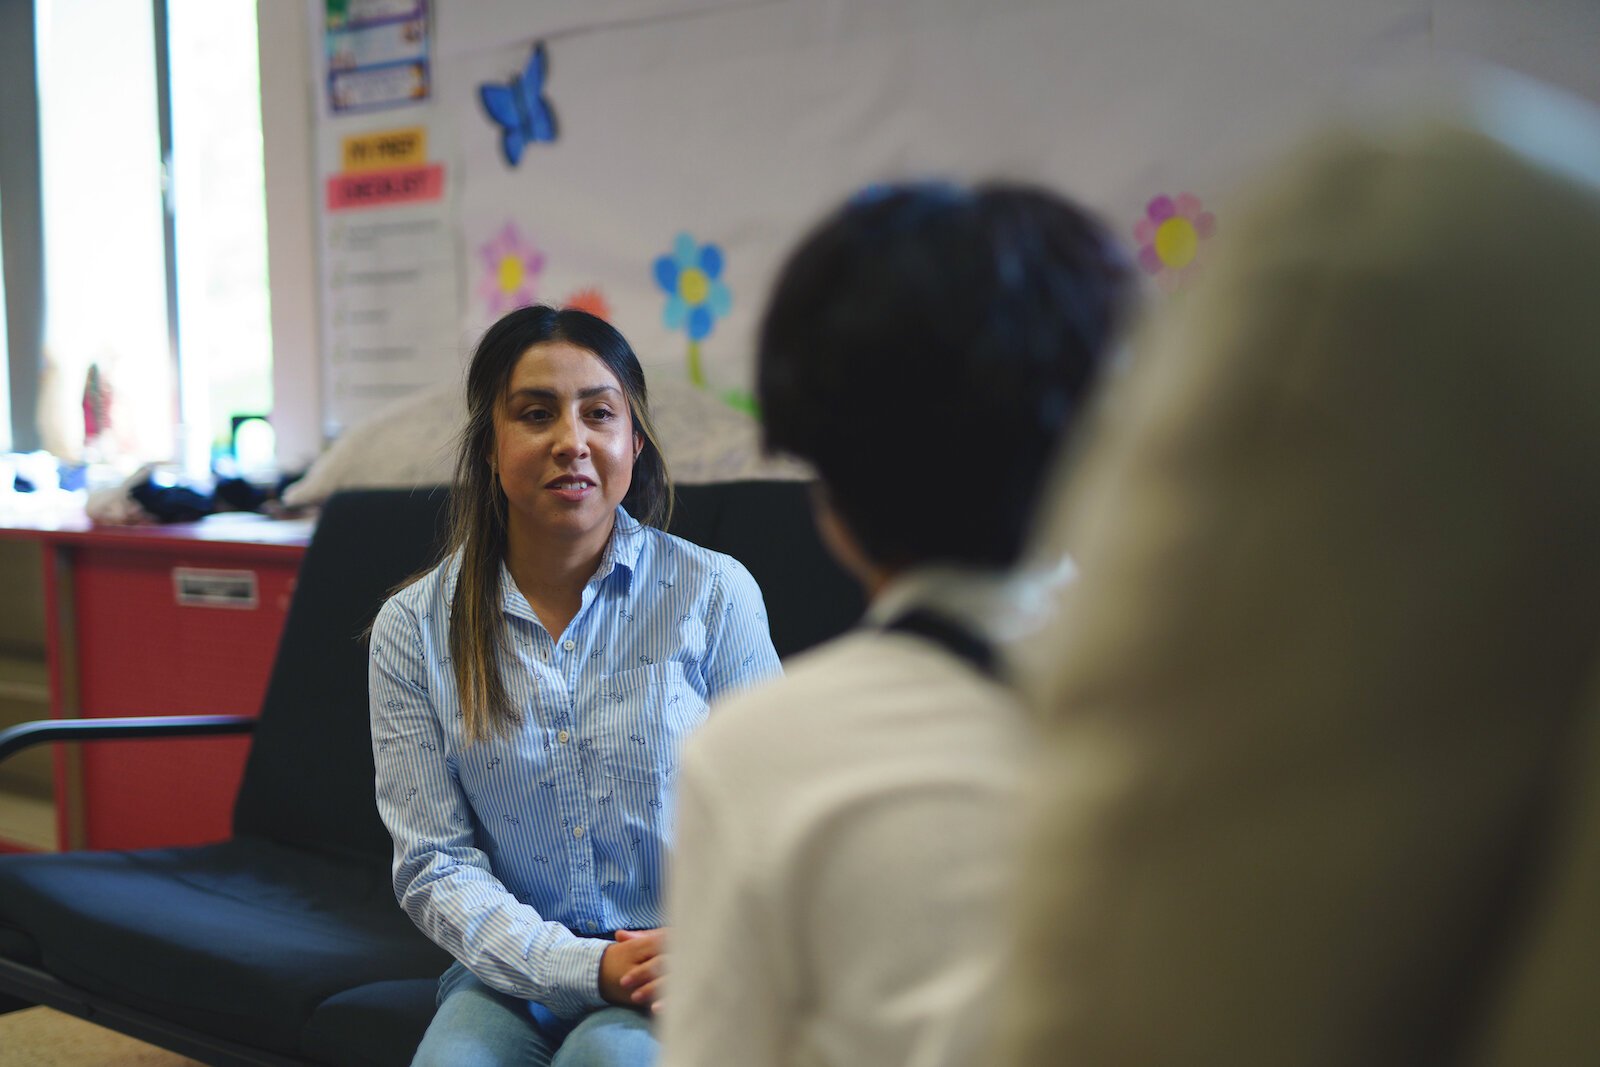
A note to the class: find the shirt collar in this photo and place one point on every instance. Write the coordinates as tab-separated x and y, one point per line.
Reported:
627	539
1003	605
620	554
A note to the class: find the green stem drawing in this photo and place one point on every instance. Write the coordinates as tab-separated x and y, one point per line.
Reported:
739	400
696	375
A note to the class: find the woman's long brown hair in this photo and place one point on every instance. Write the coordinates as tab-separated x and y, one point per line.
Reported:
478	504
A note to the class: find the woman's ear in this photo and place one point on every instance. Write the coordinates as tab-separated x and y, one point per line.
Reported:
638	445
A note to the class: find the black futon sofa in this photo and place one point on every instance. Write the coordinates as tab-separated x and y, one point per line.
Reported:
284	944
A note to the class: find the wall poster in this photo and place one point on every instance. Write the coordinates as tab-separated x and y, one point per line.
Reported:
377	52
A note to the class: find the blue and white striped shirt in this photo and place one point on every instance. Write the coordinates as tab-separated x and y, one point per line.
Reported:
507	849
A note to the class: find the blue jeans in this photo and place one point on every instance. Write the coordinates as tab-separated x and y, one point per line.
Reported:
476	1026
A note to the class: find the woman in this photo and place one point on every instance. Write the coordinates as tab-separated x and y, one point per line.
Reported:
529	695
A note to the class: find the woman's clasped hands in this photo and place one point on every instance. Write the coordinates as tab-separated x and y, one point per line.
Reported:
631	970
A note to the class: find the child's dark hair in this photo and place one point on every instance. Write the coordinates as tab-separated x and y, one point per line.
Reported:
926	349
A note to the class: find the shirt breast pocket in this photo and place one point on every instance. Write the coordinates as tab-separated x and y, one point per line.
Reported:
653	710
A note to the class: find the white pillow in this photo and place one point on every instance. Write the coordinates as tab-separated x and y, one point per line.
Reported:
705	440
412	442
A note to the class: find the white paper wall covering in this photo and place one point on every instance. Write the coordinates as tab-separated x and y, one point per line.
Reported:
735	124
465	26
738	128
1557	41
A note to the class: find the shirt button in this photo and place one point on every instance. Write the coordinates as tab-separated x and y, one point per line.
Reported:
569	645
589	926
562	736
577	831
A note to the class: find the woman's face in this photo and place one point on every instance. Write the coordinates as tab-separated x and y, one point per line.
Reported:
564	445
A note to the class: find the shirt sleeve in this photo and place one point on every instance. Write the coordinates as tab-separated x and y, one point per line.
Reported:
441	878
739	650
728	1000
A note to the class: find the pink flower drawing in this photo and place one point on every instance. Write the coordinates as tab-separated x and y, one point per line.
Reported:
1170	234
511	265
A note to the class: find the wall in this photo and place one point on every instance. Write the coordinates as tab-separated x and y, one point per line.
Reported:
735	122
21	219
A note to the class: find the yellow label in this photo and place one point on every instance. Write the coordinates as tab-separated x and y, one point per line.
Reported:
390	148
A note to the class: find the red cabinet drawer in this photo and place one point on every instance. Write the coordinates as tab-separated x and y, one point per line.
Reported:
140	651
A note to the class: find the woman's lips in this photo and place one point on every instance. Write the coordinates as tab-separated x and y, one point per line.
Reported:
573	489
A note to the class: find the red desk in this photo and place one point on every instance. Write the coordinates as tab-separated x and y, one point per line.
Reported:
159	620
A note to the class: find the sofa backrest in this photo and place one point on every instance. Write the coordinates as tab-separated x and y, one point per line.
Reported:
309	778
768	527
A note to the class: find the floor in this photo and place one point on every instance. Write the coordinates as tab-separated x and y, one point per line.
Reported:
40	1037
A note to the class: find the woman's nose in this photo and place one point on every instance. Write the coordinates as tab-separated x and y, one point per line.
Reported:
572	438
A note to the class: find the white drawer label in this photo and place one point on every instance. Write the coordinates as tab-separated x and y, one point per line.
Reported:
204	587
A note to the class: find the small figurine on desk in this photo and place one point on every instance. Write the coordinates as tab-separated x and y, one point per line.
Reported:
96	412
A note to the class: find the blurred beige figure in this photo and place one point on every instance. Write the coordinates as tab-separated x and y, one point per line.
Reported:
1323	784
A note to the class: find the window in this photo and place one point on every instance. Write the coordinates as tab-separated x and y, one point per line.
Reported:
105	267
224	327
170	310
5	362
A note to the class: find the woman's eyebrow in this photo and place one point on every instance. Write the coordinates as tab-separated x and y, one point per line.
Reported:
531	393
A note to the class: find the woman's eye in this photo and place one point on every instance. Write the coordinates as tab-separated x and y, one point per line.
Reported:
534	415
602	414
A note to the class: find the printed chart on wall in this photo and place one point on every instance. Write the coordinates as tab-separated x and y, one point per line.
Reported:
377	53
389	274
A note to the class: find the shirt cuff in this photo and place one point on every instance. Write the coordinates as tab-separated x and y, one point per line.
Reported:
571	977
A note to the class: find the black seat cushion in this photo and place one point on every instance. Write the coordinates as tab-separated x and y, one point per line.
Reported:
376	1025
243	940
18	947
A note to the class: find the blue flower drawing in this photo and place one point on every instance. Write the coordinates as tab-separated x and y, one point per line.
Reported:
696	295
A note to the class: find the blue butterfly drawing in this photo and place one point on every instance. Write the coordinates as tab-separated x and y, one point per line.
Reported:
520	108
